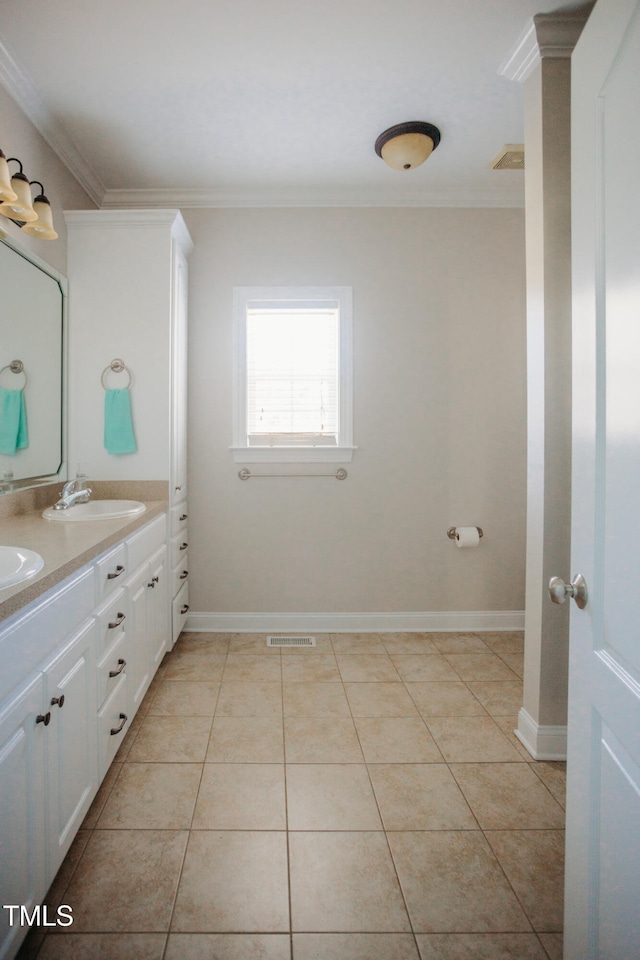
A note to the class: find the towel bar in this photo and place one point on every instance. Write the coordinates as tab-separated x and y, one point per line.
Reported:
244	474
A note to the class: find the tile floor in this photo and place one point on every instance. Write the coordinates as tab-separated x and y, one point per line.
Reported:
362	800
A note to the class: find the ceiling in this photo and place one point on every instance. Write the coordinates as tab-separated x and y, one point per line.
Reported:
269	102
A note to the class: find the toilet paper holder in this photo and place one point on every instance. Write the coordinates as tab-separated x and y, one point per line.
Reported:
453	531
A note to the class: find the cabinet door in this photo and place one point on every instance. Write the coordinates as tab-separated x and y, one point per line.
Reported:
139	659
72	741
22	808
158	613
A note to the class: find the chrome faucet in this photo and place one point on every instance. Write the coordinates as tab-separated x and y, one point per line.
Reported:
74	491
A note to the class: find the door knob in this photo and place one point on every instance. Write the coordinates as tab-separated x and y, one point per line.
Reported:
559	590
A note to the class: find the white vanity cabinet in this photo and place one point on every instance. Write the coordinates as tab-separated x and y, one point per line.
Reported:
179	567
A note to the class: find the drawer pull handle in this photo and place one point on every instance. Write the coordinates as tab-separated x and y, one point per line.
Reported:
121	665
183	546
44	718
153	582
178	489
185	516
185	608
118	572
184	574
116	623
117	730
59	700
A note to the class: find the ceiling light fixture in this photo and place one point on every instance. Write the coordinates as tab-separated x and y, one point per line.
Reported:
407	145
34	216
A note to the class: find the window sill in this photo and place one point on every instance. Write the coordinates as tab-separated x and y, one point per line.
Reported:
292	454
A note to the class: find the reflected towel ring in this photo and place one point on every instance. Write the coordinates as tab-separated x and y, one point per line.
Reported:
16	366
116	366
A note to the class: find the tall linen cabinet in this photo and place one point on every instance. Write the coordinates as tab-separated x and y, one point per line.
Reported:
127	274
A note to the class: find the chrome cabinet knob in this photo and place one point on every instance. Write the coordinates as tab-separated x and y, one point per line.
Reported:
559	590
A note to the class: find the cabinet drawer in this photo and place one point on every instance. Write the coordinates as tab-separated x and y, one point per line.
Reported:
180	574
179	518
179	547
180	609
145	541
111	569
112	724
111	617
111	666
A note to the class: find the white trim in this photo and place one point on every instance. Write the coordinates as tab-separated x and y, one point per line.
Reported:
551	35
382	622
544	742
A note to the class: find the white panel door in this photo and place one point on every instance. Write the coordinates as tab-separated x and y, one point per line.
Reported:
602	913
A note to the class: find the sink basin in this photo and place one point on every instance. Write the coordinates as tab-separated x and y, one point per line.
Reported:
97	510
18	564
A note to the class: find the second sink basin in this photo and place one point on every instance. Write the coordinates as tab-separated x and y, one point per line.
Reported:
18	564
97	510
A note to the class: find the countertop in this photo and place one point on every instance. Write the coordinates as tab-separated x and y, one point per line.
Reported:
64	547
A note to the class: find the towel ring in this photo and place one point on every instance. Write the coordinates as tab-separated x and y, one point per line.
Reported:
16	366
116	366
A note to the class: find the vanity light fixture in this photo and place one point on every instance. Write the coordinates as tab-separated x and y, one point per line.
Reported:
407	145
34	216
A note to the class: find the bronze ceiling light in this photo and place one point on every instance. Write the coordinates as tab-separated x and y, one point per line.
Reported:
407	145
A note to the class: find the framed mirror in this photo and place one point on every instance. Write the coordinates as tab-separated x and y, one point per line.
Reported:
32	320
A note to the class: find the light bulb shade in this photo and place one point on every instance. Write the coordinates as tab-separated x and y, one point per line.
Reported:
407	145
21	208
42	227
6	190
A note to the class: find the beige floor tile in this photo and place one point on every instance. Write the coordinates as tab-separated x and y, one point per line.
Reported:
326	796
504	641
471	739
380	700
363	668
194	664
255	643
217	643
396	740
507	796
357	643
354	946
480	946
246	740
408	643
104	946
101	796
310	699
171	740
554	776
552	942
420	796
508	725
453	883
323	647
479	666
238	699
321	668
461	643
241	796
445	699
515	662
247	667
423	668
500	698
129	739
235	882
321	740
157	796
533	860
55	893
126	883
185	698
328	888
228	946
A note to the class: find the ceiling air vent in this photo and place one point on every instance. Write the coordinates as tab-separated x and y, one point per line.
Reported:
511	157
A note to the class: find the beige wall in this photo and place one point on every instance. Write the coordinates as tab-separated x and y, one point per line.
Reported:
439	415
20	139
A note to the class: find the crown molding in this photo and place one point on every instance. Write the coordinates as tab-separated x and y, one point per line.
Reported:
548	35
20	88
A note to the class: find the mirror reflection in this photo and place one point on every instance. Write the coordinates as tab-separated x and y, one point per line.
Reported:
31	325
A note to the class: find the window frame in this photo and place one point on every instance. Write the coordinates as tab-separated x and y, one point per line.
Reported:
343	451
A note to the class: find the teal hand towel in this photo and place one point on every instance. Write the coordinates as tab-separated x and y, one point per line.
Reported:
13	421
118	424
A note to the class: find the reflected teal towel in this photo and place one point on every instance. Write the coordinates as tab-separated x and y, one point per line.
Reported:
13	421
118	425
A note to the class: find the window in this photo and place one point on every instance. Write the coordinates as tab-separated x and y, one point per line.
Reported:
293	374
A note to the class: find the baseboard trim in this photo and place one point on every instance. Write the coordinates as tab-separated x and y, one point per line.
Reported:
543	741
444	621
